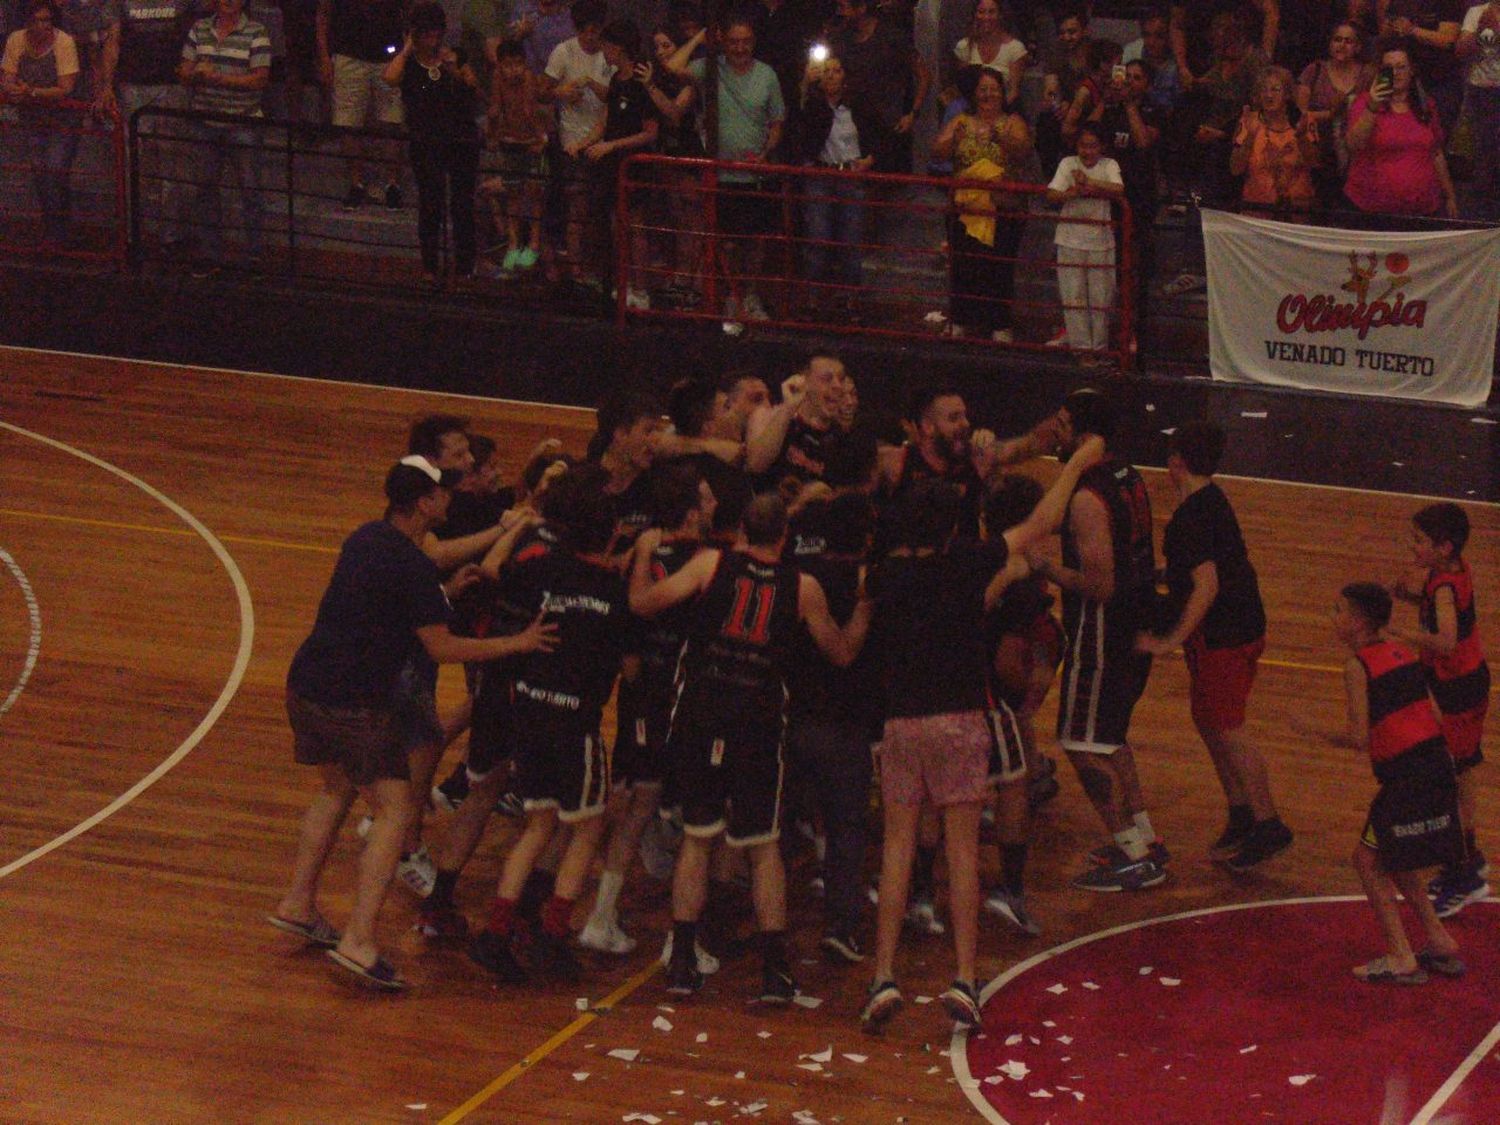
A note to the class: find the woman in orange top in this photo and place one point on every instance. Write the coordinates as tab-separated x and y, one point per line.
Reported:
1275	157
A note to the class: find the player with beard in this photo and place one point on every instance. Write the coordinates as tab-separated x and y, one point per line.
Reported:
1107	578
728	722
684	511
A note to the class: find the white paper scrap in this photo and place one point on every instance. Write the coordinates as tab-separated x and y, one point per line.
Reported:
932	1070
661	1023
417	1106
763	1035
1049	1023
1146	970
1484	421
857	1058
1058	989
1012	1040
1040	1094
1301	1079
806	1001
702	1037
1252	413
644	1118
816	1068
1091	986
580	1076
1077	1094
921	999
739	1074
1170	430
1014	1069
628	1054
756	1107
714	1101
1065	1039
804	1117
1169	982
1247	1050
665	1008
582	1003
825	1055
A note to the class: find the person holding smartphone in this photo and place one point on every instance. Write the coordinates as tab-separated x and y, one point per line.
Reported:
1397	169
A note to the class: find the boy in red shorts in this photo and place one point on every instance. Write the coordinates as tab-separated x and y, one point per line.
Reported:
1447	640
1221	626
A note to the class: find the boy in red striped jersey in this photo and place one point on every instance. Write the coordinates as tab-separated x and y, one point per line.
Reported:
1447	640
1413	821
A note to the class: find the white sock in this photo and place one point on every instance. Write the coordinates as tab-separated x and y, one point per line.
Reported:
1131	843
609	894
1143	824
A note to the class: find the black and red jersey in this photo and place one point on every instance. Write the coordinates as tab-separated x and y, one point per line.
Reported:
662	637
963	477
1404	728
1459	681
739	644
1125	498
803	455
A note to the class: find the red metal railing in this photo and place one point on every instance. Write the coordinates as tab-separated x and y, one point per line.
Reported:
95	219
897	276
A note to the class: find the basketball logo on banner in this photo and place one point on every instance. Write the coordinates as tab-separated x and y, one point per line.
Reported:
1405	314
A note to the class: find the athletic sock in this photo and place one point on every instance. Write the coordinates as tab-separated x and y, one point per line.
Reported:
1143	825
502	916
684	942
1131	843
1013	868
443	887
557	916
606	904
1241	819
922	881
772	948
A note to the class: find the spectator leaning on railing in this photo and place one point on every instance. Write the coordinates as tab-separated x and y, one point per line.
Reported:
1396	161
95	27
226	63
1479	46
38	70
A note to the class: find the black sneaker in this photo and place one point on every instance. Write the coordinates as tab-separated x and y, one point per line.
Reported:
450	793
392	197
683	978
883	1002
356	198
1265	840
492	953
1230	841
776	985
554	956
841	948
1112	855
961	1003
510	804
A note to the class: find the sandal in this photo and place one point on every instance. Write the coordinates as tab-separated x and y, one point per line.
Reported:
317	931
1379	971
382	975
1443	964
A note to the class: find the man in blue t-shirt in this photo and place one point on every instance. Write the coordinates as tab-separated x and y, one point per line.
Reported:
384	604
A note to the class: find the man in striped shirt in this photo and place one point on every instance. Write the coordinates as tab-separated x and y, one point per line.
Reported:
226	63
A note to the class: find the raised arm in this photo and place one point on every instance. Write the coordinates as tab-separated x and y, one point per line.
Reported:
839	645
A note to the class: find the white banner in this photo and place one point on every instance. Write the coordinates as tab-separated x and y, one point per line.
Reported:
1410	315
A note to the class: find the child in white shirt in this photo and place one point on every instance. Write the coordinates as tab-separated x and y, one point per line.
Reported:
1084	184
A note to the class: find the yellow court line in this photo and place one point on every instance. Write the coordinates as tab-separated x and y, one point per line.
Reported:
604	1006
115	526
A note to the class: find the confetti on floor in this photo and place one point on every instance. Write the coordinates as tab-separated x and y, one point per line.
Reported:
580	1076
1170	982
702	1037
857	1058
1058	989
1040	1094
760	1035
806	1001
1301	1079
1091	986
627	1054
661	1023
1015	1069
1247	1050
417	1106
1012	1040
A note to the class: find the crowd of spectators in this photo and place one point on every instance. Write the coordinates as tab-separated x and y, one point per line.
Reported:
1342	111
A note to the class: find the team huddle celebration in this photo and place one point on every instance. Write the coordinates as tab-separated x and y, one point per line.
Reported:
794	622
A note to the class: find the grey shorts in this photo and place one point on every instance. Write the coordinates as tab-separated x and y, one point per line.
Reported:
370	743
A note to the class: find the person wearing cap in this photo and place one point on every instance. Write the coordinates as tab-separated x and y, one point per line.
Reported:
384	603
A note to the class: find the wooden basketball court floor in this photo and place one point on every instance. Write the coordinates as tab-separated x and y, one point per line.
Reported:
165	534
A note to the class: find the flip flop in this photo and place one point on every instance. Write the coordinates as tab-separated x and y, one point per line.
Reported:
319	931
382	975
1443	964
1379	971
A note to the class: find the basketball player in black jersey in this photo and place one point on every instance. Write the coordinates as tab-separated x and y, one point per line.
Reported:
1108	582
624	444
729	719
793	437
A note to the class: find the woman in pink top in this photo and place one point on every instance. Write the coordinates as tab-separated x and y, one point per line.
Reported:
1396	163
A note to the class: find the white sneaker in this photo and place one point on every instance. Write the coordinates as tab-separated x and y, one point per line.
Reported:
603	935
362	829
708	964
753	309
417	872
921	916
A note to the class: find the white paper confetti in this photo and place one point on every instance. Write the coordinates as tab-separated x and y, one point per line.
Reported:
644	1118
1058	989
921	999
1252	413
804	1117
628	1054
806	1001
582	1003
1078	1094
580	1076
740	1074
1247	1050
1301	1079
661	1023
417	1106
1049	1023
1399	464
678	1093
1146	970
1091	986
1151	408
763	1035
1065	1039
1170	430
1484	421
932	1070
1169	982
1040	1094
857	1058
1033	1040
1012	1040
702	1037
756	1107
666	1008
816	1068
1014	1069
825	1055
714	1101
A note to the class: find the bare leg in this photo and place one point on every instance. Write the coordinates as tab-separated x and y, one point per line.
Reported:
768	885
1413	885
1097	776
1122	761
423	762
1247	769
540	826
579	856
1381	892
690	879
466	827
961	829
1219	754
390	801
895	874
320	827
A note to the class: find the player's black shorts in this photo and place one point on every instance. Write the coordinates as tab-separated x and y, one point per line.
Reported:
490	727
728	781
559	766
1007	750
1102	679
1413	822
641	746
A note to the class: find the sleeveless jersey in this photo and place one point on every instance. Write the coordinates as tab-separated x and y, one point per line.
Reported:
1460	681
739	642
1124	494
662	637
804	455
963	476
1404	730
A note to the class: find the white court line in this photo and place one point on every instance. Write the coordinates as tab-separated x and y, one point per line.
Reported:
590	410
231	685
958	1046
1455	1080
34	644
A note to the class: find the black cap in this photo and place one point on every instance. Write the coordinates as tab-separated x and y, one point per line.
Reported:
412	478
